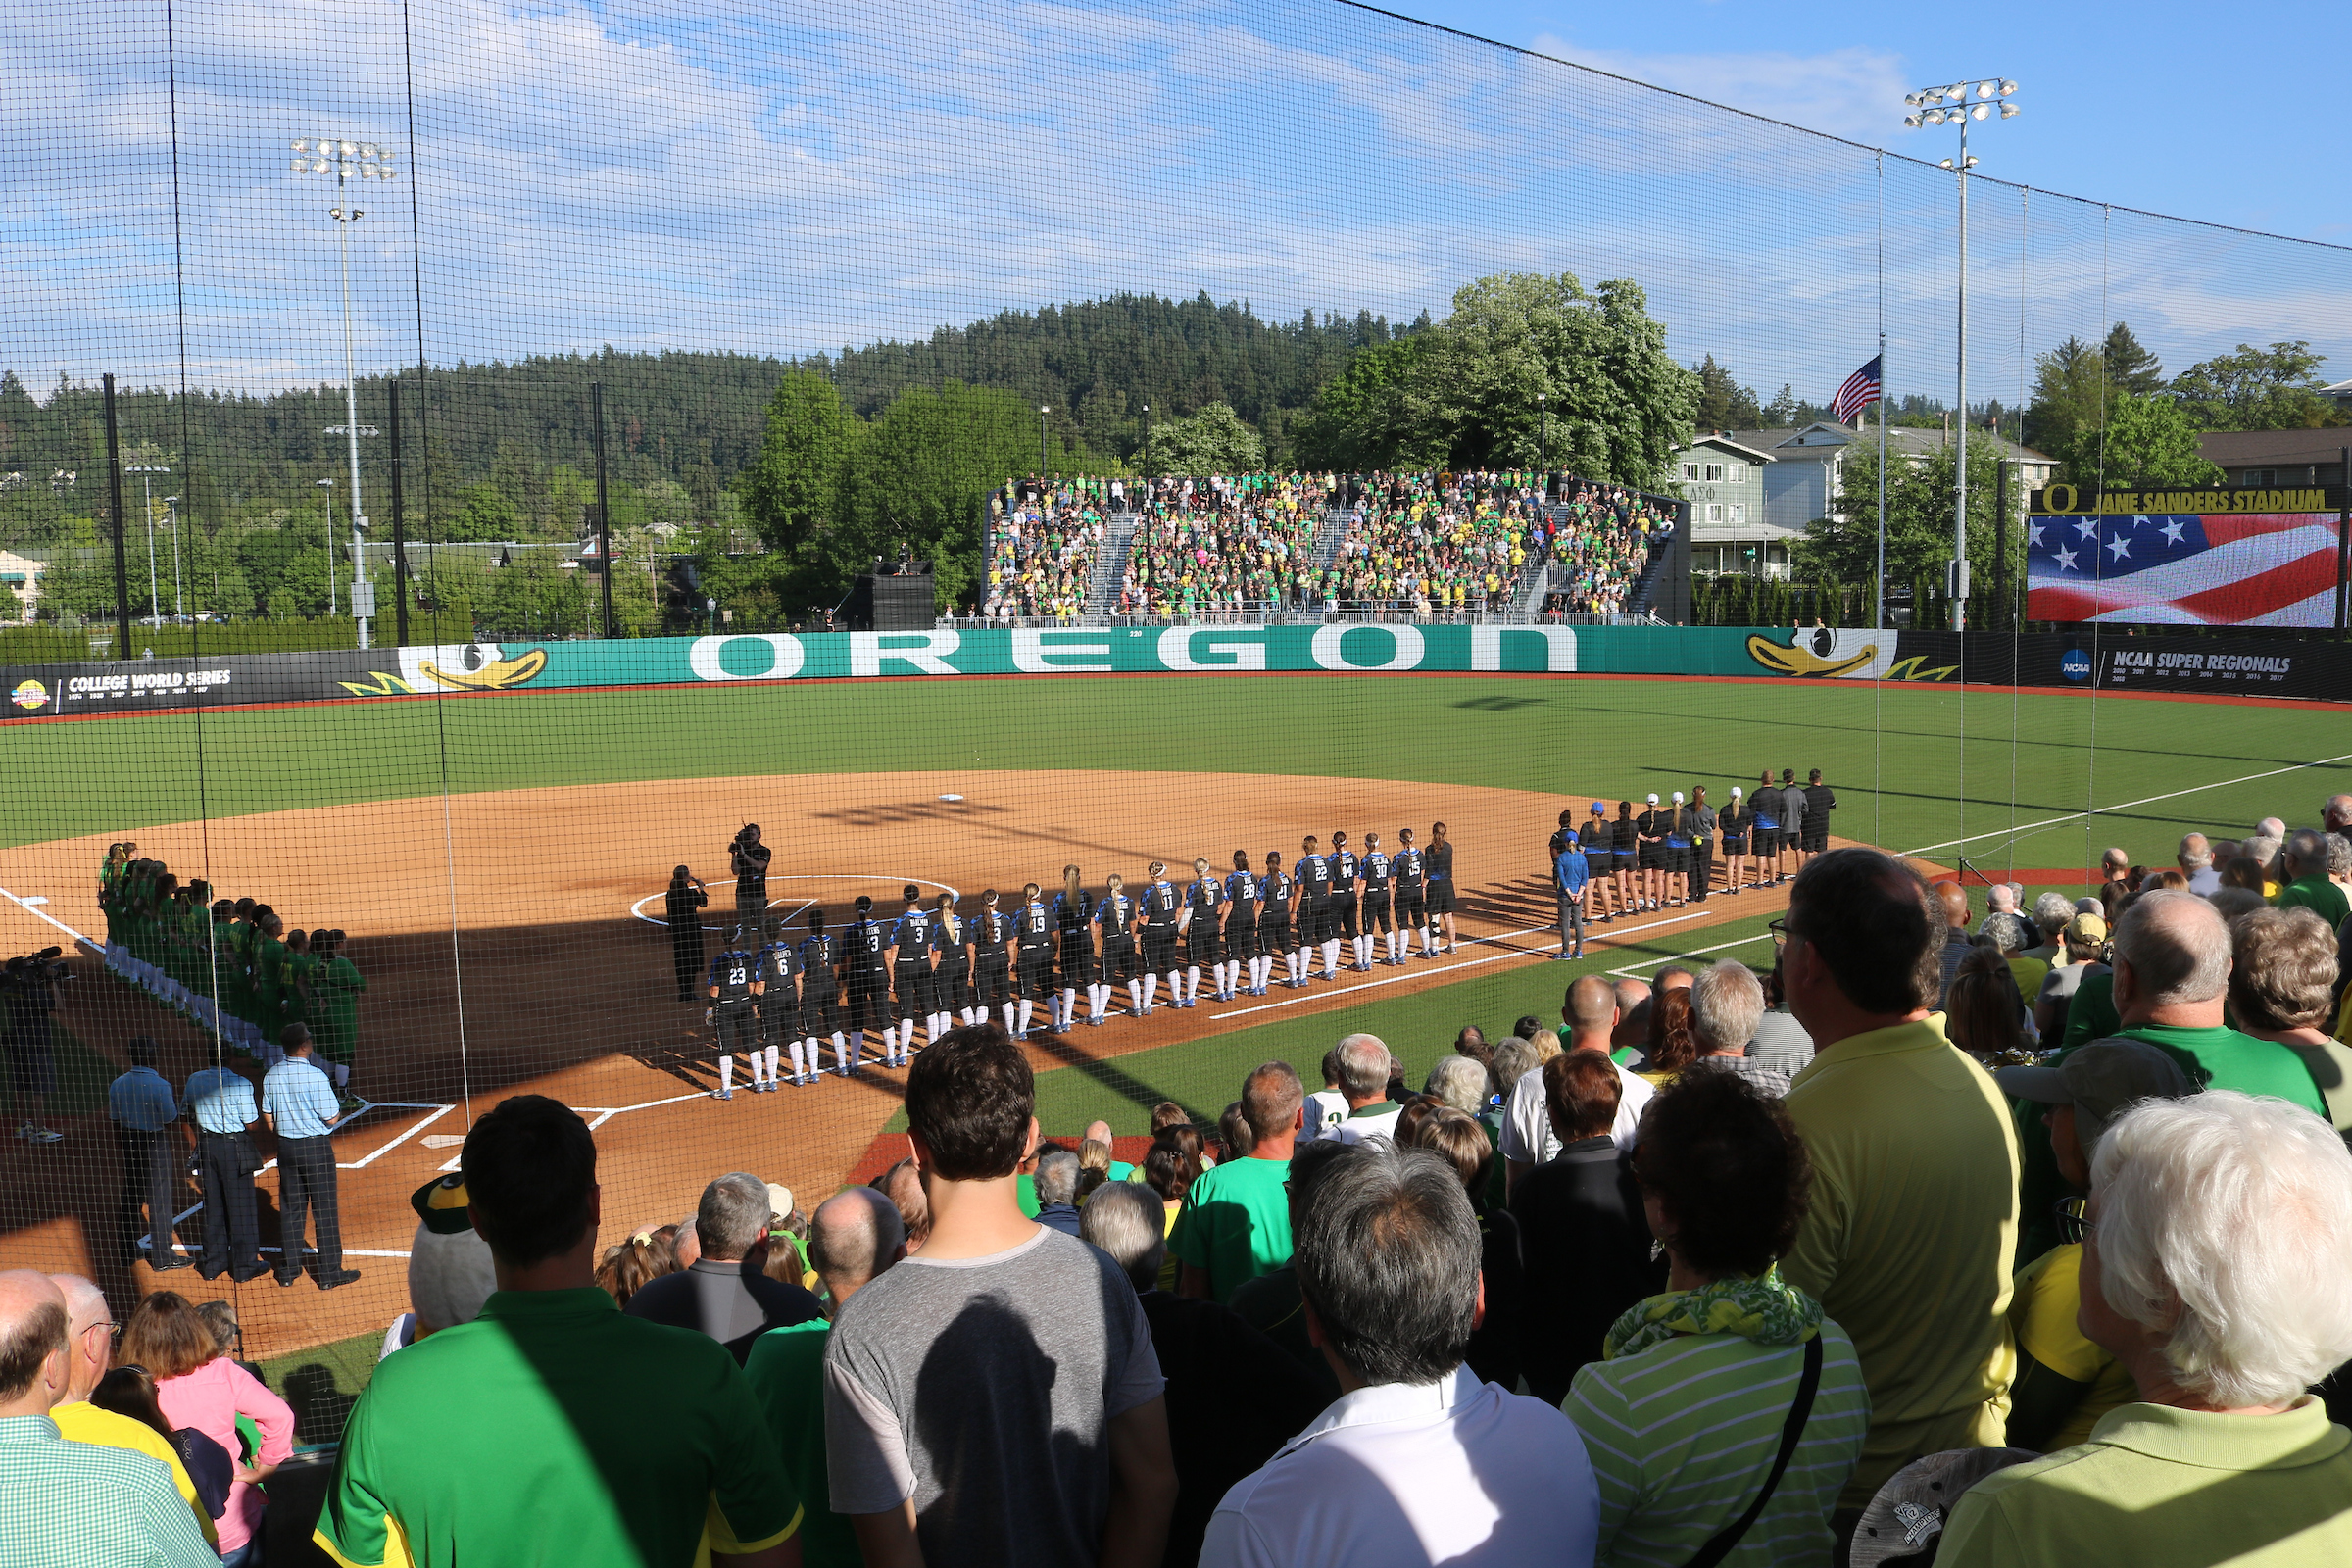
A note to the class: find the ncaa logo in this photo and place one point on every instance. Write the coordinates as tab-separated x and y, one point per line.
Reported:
2074	665
29	695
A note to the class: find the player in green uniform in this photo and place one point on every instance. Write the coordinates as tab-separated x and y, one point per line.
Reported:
269	965
335	986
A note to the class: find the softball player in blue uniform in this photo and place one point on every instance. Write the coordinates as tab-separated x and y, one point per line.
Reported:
821	993
1162	904
734	983
1204	914
1073	918
910	954
1033	964
1241	926
1275	890
1115	917
779	1010
1380	874
1412	893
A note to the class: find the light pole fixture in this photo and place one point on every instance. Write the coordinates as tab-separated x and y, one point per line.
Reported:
180	598
146	472
1957	105
328	485
1042	412
346	161
1147	442
1544	437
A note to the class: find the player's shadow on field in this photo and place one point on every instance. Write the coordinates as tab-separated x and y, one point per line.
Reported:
910	814
1500	705
1108	1073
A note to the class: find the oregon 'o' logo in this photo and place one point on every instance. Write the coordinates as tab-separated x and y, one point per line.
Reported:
2059	498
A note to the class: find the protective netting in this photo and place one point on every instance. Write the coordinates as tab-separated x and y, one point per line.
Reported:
677	322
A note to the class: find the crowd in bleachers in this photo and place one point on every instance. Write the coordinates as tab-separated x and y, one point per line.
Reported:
1225	544
1043	536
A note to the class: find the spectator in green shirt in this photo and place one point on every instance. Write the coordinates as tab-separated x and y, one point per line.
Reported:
2308	886
2215	1247
853	1238
1236	1220
2172	979
553	1429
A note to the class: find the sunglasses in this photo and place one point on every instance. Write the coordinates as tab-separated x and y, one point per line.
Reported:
2075	1224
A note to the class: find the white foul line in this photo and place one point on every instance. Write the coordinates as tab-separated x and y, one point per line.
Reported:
1738	942
1472	964
2122	805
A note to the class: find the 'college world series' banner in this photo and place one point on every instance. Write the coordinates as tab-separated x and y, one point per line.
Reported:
2187	557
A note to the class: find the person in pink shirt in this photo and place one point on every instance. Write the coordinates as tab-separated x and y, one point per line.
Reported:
199	1387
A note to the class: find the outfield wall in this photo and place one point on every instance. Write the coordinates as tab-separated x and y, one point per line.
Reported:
2095	659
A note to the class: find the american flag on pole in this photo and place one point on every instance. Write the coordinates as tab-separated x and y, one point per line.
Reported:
2182	569
1860	391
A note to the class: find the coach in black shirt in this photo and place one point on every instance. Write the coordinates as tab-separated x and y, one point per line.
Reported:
683	909
1701	820
726	1294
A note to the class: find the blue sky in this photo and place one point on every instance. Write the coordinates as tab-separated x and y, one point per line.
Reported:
671	174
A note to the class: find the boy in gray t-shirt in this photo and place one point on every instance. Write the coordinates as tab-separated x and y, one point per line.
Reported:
996	1394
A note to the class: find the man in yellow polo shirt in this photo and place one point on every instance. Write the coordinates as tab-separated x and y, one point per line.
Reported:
89	1344
552	1429
2225	1458
1909	1242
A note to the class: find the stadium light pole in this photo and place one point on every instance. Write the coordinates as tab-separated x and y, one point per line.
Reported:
180	598
1543	436
145	471
346	161
328	485
1957	105
1042	412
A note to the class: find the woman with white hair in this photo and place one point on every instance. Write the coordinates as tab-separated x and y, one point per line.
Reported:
2216	1242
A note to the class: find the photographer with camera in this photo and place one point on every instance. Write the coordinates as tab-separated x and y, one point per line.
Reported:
749	857
31	985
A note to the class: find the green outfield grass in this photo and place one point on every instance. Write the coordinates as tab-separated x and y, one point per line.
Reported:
1914	766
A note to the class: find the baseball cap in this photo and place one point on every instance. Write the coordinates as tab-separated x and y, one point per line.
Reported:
864	903
1654	800
1678	797
2087	928
1600	808
441	1204
2101	1081
1736	792
779	1200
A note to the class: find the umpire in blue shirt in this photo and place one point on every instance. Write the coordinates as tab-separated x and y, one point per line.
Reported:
300	1105
222	1104
143	1112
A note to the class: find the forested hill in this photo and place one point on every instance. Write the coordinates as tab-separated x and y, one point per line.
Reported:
698	418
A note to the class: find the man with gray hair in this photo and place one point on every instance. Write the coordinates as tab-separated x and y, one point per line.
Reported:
1205	1352
2308	885
2172	979
90	1343
854	1237
726	1292
2196	858
66	1501
1057	1190
2051	913
2215	1247
1417	1461
1364	1063
1727	1005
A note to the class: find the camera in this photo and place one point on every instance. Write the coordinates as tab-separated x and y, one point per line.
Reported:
33	968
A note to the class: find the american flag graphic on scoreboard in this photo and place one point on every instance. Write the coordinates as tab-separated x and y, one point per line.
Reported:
2183	569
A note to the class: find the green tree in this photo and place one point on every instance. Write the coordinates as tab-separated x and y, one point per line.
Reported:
1922	496
2130	367
1211	441
792	489
1781	413
1369	415
2257	389
1723	403
2070	391
484	513
2148	441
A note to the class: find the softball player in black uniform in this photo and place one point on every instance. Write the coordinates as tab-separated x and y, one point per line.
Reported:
1625	840
1764	829
1203	912
952	971
1241	925
734	983
1073	918
821	993
1440	884
1735	820
1317	925
779	1010
1343	901
1161	906
870	980
1380	874
990	939
1115	915
1033	972
1411	868
1274	894
1595	836
909	956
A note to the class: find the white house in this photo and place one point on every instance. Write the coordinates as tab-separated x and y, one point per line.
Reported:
21	573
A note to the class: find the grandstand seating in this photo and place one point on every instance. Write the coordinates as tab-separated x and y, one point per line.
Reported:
1041	542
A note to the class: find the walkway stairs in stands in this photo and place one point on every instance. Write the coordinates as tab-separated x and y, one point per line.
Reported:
1110	563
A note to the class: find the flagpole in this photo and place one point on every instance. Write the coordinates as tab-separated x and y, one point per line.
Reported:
1879	623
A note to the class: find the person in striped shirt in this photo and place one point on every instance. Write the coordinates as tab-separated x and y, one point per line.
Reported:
1685	1414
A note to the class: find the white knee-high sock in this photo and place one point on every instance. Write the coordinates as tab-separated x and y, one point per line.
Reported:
1150	991
1013	1010
1135	997
799	1061
726	1073
1070	1007
759	1063
1331	958
1026	1008
1192	983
